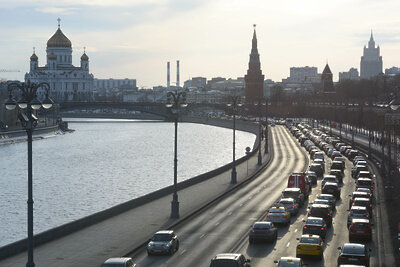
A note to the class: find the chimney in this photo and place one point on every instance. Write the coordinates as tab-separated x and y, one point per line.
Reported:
168	80
177	73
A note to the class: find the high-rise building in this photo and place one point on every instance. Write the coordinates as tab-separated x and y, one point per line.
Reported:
352	74
371	61
254	79
67	82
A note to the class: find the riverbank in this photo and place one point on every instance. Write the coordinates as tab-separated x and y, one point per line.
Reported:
16	136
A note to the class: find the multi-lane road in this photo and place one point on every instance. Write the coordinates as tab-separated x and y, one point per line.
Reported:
224	226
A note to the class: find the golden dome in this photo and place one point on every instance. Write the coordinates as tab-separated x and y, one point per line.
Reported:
59	40
34	57
84	57
52	56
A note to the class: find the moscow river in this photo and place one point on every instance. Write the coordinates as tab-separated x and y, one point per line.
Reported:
102	164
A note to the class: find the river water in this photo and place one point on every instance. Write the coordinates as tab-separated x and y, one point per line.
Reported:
102	164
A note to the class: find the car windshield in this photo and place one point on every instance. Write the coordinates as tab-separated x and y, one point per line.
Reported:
326	197
161	237
276	211
364	183
288	264
314	221
261	226
354	250
361	203
358	211
309	240
290	194
224	263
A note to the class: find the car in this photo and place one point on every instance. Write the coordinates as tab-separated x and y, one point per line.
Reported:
360	229
321	162
163	242
324	202
365	190
278	214
295	193
352	154
290	204
290	262
263	231
361	162
357	212
331	198
317	168
319	155
312	176
363	202
356	169
322	211
353	253
330	151
331	188
229	259
365	183
357	158
329	178
315	226
310	245
118	262
365	174
357	194
335	154
338	165
338	173
341	159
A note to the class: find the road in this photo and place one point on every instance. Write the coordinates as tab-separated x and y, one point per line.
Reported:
224	226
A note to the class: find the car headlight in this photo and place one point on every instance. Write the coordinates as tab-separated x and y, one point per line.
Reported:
169	244
150	244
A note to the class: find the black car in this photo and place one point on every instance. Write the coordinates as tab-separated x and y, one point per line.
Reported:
353	253
318	169
331	188
322	211
263	231
338	165
312	176
315	226
356	169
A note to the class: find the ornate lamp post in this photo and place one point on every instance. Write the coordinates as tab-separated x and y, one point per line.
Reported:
27	104
176	100
234	105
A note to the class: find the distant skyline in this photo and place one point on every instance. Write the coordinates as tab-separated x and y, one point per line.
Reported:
135	39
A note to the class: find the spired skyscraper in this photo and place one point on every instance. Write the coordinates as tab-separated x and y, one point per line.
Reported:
371	61
254	78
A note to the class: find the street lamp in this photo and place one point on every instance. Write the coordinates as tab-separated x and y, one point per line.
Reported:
175	101
27	104
258	103
234	105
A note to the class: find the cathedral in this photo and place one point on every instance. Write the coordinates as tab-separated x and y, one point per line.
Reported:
371	61
67	82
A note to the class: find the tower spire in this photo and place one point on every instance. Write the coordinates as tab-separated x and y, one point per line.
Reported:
59	20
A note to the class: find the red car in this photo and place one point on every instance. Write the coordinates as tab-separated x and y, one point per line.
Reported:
360	229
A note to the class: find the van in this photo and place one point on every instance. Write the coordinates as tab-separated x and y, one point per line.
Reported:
299	180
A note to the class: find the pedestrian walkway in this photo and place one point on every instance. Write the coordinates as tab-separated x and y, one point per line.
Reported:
118	235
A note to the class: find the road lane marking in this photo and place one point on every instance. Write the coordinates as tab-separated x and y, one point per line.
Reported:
183	251
217	223
295	230
230	213
203	235
288	244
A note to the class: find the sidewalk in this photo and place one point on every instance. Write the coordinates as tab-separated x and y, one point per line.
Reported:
117	236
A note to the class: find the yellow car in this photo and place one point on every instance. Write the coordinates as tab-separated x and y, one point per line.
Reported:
310	245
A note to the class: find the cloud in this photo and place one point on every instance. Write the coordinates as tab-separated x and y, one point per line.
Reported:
57	10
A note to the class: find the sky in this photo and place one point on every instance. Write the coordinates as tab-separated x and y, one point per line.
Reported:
211	38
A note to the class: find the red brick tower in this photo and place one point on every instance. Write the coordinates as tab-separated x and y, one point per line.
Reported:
254	78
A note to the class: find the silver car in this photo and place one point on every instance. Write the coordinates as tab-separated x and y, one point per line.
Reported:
357	212
163	242
290	204
278	214
118	262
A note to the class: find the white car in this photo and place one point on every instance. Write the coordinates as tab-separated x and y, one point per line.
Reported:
118	262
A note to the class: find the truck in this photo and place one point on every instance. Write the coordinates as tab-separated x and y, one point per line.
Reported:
300	180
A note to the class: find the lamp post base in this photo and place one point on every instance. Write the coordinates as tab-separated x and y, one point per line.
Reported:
233	177
175	207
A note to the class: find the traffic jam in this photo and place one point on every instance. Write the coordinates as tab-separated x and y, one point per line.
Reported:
321	211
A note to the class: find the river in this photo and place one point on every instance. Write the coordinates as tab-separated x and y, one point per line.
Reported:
102	164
